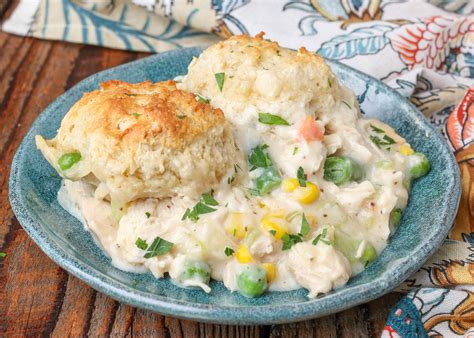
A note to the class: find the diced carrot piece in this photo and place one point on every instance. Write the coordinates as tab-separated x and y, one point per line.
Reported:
310	130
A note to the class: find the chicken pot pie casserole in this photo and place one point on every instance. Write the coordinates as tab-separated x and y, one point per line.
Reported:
255	169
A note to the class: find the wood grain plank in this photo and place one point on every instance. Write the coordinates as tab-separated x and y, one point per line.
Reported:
351	323
6	8
122	326
93	60
231	331
48	85
320	327
27	295
3	42
189	328
24	82
174	327
50	82
33	283
103	316
148	324
75	315
11	60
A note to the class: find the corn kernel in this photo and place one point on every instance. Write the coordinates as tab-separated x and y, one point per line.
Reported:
308	194
289	184
270	223
405	149
243	254
235	225
271	271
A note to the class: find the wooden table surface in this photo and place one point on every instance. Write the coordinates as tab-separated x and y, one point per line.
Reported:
37	297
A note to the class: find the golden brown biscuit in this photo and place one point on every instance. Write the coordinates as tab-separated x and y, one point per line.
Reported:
143	140
258	73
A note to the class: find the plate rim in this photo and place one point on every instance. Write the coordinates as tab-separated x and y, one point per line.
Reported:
223	313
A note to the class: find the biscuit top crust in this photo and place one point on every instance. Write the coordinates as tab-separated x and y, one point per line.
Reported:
143	112
270	48
259	73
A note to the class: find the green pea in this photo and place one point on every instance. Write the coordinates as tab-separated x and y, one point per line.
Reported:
252	281
420	165
267	181
66	161
349	247
396	216
197	270
369	254
340	169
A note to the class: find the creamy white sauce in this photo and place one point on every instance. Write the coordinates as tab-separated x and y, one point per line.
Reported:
360	210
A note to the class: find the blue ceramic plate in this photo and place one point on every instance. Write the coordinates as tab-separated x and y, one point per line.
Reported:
430	213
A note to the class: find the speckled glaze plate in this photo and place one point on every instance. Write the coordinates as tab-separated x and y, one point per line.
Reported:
426	222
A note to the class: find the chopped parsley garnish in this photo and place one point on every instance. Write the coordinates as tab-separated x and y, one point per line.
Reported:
389	139
289	240
3	254
158	247
201	99
304	226
301	177
136	114
270	119
141	244
202	207
322	238
229	252
199	209
258	157
295	150
147	214
236	166
377	130
347	104
269	178
220	80
273	232
329	83
379	142
208	199
181	116
366	264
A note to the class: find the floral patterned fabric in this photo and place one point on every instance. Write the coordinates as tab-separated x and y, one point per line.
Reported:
424	49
